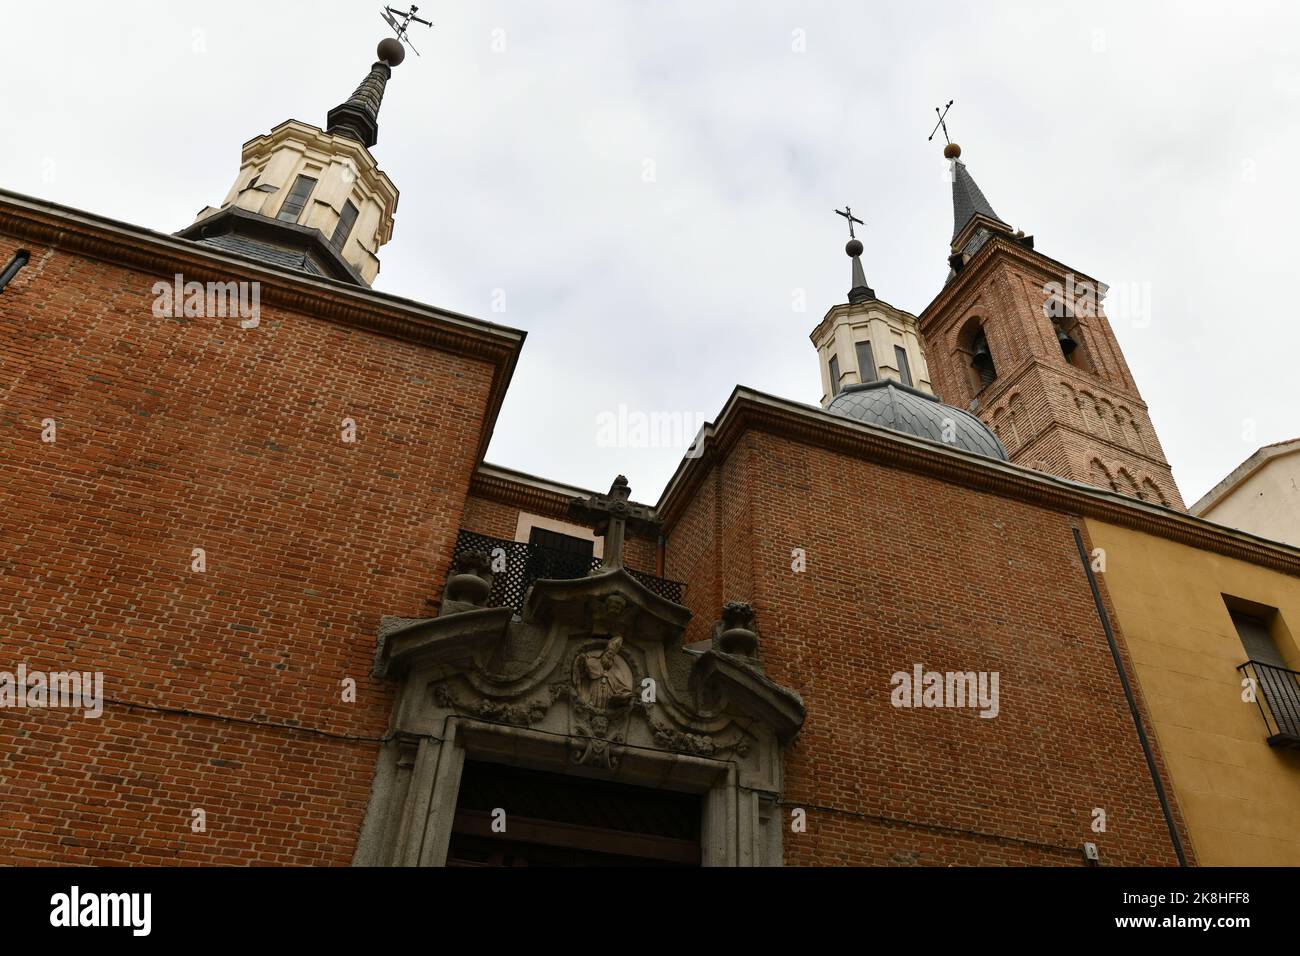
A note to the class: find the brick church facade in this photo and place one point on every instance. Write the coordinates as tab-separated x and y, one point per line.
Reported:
331	633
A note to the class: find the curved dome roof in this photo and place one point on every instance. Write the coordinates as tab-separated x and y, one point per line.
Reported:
888	404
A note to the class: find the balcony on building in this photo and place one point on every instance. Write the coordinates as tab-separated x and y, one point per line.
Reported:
525	563
1277	692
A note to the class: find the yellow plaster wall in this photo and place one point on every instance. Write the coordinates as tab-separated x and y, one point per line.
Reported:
1240	797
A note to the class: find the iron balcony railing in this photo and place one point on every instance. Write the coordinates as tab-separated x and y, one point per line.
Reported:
525	563
1277	692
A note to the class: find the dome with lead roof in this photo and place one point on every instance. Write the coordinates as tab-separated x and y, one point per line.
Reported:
888	404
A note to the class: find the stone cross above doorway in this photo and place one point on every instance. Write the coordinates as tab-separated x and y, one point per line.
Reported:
612	515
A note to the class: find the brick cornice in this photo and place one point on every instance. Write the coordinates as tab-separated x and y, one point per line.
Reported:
748	410
517	491
102	239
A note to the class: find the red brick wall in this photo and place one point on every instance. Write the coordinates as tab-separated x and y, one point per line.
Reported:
175	434
906	569
491	518
691	556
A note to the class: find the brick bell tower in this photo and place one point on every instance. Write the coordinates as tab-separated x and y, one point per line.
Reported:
1022	341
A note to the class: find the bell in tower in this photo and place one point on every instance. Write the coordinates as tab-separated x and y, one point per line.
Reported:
1068	345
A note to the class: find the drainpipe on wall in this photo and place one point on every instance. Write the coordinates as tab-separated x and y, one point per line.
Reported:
20	259
1132	701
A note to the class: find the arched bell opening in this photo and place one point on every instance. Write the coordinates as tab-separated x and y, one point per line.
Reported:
973	345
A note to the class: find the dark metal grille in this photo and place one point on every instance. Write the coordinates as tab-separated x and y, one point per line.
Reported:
526	563
1277	692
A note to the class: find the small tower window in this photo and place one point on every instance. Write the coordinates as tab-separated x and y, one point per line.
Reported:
344	228
835	375
866	363
904	370
296	201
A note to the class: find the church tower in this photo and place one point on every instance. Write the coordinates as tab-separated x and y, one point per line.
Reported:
1022	341
310	199
866	339
874	369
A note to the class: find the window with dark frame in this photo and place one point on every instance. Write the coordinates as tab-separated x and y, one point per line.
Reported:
555	555
904	370
1256	639
296	201
866	363
347	220
1277	687
835	374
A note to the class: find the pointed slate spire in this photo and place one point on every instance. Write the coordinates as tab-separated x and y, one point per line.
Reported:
861	292
967	198
358	116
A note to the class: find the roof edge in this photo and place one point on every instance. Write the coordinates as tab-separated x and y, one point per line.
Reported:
748	409
527	492
118	243
1261	457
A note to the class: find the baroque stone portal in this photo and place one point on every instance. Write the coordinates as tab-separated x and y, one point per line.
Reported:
594	681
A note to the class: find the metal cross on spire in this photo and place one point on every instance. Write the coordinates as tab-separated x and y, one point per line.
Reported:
942	124
847	213
861	292
407	19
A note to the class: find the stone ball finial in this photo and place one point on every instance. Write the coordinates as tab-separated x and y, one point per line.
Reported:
854	248
469	584
391	51
951	151
736	633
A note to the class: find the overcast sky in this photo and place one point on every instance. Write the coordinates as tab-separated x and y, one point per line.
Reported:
650	184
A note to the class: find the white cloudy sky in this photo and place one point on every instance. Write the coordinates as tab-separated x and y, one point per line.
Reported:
1150	145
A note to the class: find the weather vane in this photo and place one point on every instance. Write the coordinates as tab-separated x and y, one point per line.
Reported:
942	124
407	18
847	213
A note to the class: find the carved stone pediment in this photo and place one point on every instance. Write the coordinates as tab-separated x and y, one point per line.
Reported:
603	652
741	685
606	602
404	644
593	681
